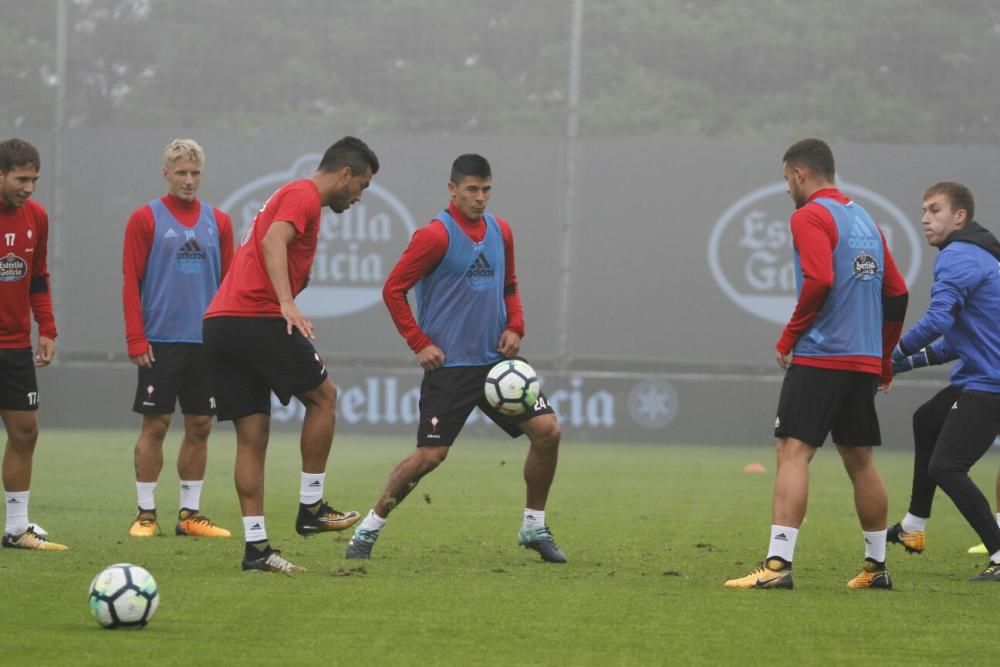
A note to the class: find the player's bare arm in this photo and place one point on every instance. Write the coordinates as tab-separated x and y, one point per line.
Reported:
46	351
431	357
510	344
275	247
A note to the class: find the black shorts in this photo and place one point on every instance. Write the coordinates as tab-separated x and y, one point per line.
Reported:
816	401
249	357
449	394
19	385
179	373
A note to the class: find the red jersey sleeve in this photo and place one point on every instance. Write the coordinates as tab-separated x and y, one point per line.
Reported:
894	300
426	249
40	292
293	209
138	242
225	225
511	294
814	235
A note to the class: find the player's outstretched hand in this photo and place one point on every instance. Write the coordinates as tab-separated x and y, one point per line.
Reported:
46	351
296	319
431	357
916	360
509	345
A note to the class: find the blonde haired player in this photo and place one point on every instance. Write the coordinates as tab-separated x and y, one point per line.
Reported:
177	249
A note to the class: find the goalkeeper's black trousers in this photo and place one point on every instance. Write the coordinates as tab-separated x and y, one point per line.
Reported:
927	422
969	428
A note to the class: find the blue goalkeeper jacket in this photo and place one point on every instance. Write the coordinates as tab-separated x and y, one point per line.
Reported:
965	308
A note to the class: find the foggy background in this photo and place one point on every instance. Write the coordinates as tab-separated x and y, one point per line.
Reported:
636	149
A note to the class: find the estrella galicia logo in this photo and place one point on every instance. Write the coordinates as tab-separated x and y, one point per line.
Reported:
355	250
750	247
480	273
191	257
865	266
12	268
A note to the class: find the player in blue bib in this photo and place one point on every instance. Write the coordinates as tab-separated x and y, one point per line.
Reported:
177	248
468	319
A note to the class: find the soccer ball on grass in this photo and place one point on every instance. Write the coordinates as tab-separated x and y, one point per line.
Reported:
512	387
124	596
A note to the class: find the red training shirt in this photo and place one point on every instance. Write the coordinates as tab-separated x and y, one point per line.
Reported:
426	250
246	291
24	274
137	246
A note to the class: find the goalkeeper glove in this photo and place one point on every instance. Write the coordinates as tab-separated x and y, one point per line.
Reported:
919	359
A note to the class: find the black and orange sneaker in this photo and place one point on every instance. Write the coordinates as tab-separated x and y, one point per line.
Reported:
913	542
145	524
323	519
872	575
31	540
195	524
773	573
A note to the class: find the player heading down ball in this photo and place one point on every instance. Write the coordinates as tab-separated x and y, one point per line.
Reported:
258	341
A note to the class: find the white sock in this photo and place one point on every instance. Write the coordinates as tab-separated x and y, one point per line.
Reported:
783	540
17	512
145	491
372	521
253	528
912	523
311	488
533	519
191	494
875	545
995	558
998	518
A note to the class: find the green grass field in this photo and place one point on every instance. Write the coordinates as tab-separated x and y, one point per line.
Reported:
651	533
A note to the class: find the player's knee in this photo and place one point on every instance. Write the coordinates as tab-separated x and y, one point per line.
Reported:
431	458
253	431
199	428
323	397
328	394
548	436
944	471
155	426
23	433
793	451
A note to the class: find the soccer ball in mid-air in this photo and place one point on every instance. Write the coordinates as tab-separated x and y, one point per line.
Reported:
512	386
124	596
